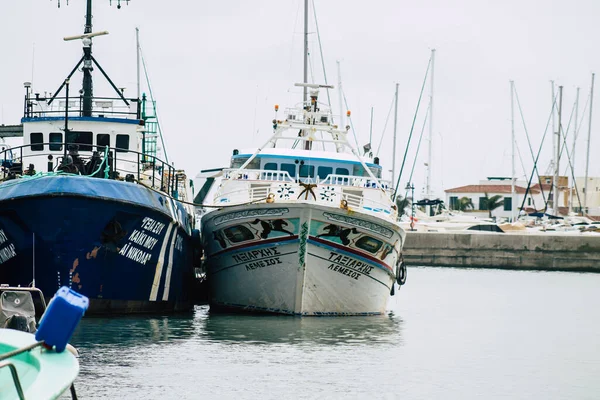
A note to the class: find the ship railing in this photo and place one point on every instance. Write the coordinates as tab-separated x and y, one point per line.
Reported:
257	175
356	181
123	164
107	107
295	192
284	176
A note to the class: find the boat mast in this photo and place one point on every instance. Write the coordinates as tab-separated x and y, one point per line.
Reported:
394	145
553	127
88	89
428	184
573	154
512	123
137	59
557	166
305	97
587	160
340	95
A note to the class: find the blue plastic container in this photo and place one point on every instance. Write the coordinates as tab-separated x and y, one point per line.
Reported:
61	318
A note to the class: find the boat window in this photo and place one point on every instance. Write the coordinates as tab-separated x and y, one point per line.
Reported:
342	171
369	244
102	140
239	161
37	138
83	139
56	140
358	170
238	233
122	143
376	171
322	172
290	169
507	204
307	171
270	166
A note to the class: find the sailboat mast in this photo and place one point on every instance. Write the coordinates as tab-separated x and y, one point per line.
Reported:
557	167
394	145
553	126
587	159
512	123
573	153
88	90
305	97
428	184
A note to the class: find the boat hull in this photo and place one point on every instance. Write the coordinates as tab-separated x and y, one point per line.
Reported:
123	252
300	259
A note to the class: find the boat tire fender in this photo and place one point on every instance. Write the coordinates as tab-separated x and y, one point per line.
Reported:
401	272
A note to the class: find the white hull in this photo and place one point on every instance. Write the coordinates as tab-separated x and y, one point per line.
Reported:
300	258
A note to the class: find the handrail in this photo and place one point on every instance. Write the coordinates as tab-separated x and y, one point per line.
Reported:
77	107
16	162
15	377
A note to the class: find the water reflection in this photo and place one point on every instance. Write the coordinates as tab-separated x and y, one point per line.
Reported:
130	331
331	331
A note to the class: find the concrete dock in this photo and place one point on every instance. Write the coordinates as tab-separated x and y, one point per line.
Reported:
507	251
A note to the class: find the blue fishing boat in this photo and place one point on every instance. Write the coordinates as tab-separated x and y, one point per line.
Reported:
88	202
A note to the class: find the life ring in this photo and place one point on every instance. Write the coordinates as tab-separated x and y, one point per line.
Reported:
401	272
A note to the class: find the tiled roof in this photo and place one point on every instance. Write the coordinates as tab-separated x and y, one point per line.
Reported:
489	189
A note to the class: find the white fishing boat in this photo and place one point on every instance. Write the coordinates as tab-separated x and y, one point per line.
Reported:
307	229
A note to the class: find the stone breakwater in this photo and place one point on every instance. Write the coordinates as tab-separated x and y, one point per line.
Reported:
509	251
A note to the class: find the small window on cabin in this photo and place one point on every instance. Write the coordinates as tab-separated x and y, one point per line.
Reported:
37	140
102	140
238	233
270	166
358	170
56	140
122	143
238	161
307	171
322	172
376	171
290	169
369	244
342	171
83	139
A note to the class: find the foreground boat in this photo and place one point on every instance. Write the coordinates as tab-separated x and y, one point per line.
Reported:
33	362
105	218
303	231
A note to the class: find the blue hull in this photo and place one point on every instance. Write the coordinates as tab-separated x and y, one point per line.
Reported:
125	247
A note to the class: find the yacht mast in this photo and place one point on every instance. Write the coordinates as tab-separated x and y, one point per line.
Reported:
557	166
512	123
394	145
573	153
428	184
587	160
305	97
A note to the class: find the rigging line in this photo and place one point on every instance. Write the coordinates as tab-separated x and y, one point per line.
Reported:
418	147
321	51
154	106
411	129
294	34
565	147
537	159
385	126
528	140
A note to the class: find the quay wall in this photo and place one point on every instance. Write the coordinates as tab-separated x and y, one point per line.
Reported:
508	251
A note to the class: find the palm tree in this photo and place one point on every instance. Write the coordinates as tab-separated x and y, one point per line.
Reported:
493	202
464	204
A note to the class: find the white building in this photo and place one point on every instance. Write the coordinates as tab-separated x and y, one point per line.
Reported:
492	187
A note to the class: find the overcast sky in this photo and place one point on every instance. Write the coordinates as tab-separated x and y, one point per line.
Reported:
218	67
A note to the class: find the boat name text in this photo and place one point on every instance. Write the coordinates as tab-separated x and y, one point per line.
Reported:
345	261
260	258
6	252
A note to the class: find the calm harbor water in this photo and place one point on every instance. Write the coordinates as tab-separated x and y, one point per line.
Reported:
449	333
